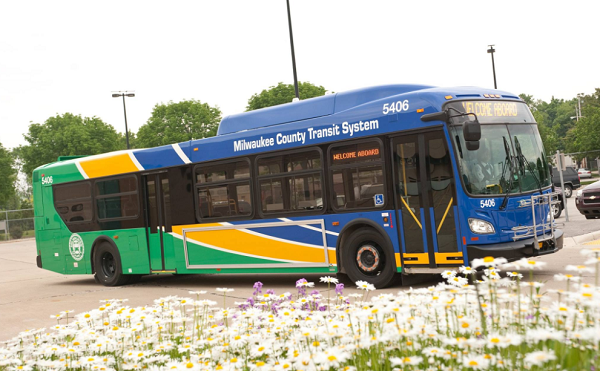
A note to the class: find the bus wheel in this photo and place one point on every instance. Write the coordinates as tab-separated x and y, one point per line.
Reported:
367	258
107	266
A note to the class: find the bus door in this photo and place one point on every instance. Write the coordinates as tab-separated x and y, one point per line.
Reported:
426	201
158	222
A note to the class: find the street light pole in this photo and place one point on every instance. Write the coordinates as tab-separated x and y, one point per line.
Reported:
491	50
292	46
124	94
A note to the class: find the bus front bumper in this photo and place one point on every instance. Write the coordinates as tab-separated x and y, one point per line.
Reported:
517	249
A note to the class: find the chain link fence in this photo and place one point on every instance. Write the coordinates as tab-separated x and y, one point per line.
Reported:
16	224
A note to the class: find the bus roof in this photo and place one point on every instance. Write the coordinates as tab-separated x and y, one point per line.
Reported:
310	108
285	126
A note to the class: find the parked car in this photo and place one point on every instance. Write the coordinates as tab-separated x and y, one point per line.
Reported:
587	201
558	208
584	173
570	178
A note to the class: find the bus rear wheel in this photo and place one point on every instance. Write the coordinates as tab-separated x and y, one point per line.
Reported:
107	266
368	258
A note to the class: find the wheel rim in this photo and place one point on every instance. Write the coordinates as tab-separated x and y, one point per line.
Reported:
369	260
108	265
554	210
568	191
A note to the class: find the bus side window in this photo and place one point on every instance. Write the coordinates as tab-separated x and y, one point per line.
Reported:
223	189
291	182
73	202
117	198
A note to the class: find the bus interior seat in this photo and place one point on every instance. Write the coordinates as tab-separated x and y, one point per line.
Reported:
244	207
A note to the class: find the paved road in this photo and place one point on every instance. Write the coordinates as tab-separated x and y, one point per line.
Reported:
29	295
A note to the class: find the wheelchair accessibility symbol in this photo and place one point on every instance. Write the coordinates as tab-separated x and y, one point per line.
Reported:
379	200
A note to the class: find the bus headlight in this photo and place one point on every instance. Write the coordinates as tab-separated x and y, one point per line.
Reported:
481	226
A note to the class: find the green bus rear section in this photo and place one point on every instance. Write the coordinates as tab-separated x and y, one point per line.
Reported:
53	236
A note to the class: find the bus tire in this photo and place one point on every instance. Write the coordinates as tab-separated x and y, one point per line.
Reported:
107	265
369	258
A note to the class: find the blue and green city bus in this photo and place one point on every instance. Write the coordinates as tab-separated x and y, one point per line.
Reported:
374	183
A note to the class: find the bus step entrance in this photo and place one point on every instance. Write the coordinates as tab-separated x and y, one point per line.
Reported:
543	223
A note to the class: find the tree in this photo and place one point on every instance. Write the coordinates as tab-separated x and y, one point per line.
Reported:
66	135
8	175
283	93
547	133
584	136
178	122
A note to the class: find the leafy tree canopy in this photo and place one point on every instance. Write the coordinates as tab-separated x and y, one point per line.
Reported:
8	176
560	129
178	122
283	93
66	135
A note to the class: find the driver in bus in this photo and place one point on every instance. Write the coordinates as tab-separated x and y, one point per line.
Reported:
484	168
483	172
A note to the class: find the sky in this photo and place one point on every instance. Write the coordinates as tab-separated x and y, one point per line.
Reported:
69	56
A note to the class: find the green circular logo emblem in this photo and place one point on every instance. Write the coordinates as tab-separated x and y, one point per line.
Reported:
76	247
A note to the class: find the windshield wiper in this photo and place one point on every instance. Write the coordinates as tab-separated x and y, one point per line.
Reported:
523	159
508	163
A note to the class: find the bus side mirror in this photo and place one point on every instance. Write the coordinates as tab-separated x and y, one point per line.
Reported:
436	116
472	134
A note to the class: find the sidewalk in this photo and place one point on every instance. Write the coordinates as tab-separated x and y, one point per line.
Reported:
580	240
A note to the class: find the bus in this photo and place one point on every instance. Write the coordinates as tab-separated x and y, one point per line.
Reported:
373	184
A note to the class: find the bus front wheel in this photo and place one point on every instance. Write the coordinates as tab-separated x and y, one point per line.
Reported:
107	266
368	258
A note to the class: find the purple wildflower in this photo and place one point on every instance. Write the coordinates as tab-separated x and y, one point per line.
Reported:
339	289
271	292
314	292
300	285
257	288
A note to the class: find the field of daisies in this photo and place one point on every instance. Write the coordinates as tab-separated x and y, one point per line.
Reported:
498	320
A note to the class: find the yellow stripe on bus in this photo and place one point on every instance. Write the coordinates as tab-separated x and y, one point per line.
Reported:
238	241
442	258
105	166
420	258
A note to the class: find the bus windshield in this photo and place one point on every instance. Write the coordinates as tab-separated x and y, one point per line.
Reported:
510	159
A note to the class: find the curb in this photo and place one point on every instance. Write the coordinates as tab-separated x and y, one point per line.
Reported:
579	240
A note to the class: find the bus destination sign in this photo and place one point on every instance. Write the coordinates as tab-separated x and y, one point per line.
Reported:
491	109
492	112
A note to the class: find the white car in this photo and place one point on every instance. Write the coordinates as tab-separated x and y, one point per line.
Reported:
584	173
